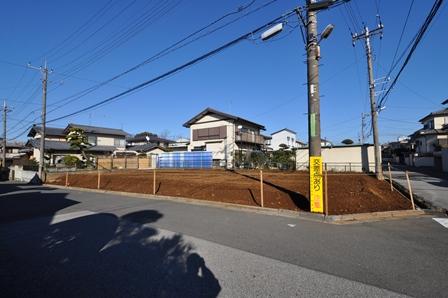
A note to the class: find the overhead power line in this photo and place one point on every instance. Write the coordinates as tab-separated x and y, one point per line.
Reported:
172	48
174	70
418	38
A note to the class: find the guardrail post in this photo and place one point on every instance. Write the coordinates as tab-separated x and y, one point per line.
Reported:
390	177
99	178
326	192
261	188
410	190
154	182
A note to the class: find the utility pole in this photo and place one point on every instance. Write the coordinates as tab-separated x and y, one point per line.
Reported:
366	34
313	84
5	111
44	70
314	137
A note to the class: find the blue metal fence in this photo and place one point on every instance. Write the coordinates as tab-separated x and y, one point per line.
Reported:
186	160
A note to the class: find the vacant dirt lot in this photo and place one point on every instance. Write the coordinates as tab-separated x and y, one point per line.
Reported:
347	193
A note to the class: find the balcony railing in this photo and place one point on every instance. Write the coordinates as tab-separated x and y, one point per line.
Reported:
249	138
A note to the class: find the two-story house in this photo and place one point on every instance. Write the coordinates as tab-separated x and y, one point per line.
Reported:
434	134
223	135
13	151
103	141
286	137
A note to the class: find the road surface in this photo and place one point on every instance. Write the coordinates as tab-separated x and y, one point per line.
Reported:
432	188
69	243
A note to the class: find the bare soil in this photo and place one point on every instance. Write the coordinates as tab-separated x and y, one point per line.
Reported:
347	193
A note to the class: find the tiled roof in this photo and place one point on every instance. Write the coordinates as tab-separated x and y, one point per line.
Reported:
144	148
141	137
64	146
49	131
222	114
443	112
97	130
284	129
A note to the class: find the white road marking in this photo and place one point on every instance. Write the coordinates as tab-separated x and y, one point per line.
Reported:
64	217
291	225
442	221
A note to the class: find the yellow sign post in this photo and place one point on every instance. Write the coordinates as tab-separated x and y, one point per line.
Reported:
316	191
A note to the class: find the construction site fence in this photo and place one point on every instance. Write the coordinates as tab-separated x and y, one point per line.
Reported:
350	167
126	162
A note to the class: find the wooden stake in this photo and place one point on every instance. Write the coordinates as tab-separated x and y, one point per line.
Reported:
326	193
410	190
66	179
261	188
99	179
154	183
390	177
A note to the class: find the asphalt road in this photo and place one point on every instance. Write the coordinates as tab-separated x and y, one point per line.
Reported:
73	244
432	188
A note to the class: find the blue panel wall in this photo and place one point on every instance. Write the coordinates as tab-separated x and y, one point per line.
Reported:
186	160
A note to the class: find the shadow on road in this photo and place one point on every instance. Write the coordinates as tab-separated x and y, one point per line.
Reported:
99	255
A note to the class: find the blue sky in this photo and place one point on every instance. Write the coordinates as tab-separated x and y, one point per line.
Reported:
261	81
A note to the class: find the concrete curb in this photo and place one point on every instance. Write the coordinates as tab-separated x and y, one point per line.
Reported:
330	219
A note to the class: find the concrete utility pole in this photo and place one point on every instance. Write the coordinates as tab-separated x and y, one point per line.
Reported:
313	55
366	34
5	111
45	72
313	84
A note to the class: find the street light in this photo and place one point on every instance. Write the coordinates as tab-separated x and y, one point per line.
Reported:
326	33
271	32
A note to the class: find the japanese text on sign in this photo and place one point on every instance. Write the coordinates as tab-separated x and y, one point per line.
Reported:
316	197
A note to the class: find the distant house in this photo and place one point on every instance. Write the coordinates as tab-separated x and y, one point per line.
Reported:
180	144
223	134
103	140
398	151
434	134
146	142
13	151
284	136
430	143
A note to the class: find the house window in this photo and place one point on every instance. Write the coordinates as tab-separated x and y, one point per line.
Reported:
92	140
119	143
210	133
429	125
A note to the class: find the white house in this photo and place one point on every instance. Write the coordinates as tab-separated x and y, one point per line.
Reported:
223	134
284	136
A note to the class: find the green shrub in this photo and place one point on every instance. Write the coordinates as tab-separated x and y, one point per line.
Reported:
71	161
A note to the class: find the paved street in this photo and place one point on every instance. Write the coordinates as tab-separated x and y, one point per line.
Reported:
65	243
433	188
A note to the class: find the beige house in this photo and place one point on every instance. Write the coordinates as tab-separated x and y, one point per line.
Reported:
434	134
103	140
430	141
223	134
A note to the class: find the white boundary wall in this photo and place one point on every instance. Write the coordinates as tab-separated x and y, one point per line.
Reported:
354	158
